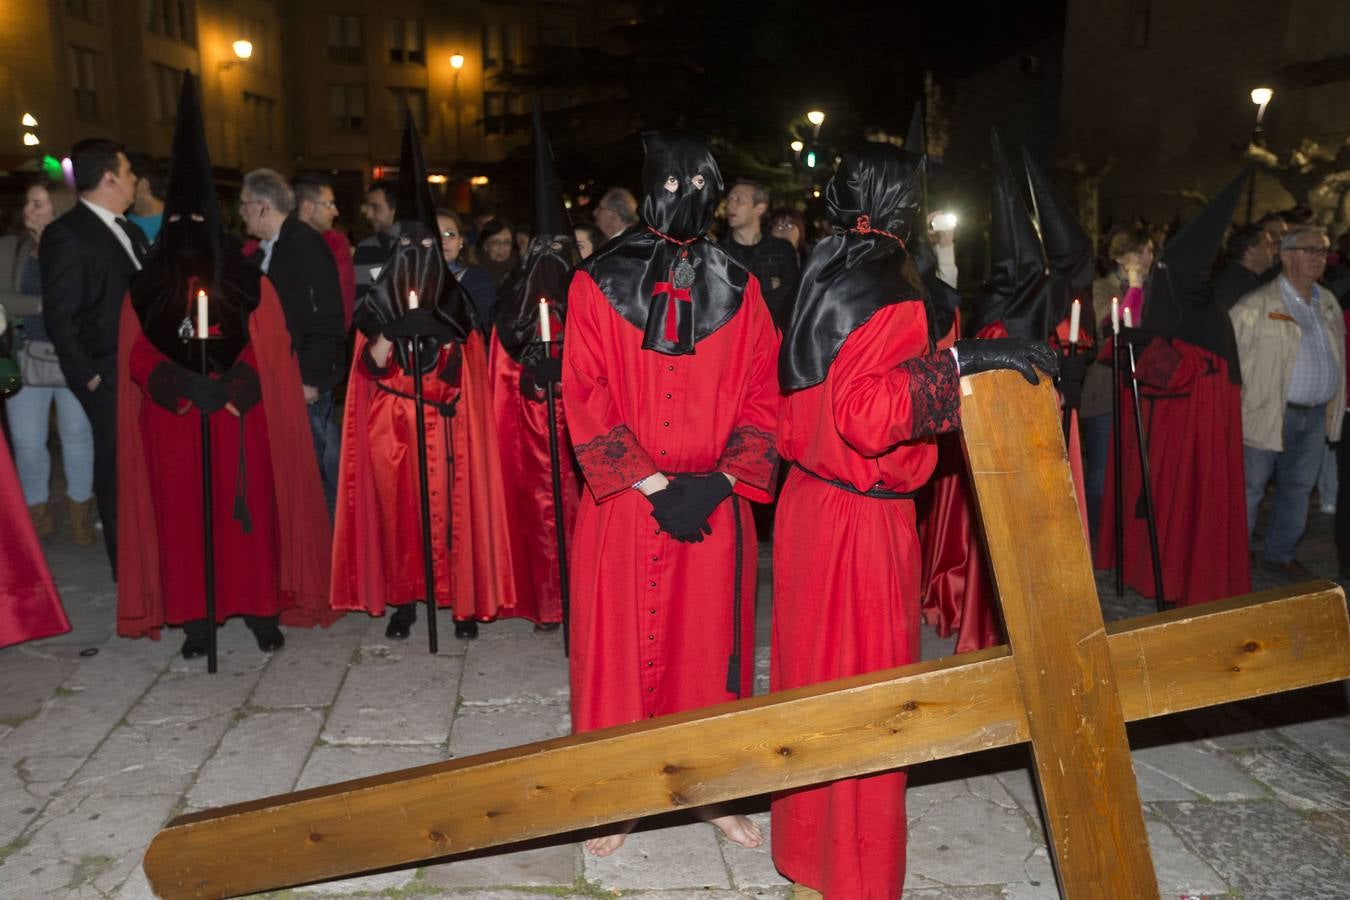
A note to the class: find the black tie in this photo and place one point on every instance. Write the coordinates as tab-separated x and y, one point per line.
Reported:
137	238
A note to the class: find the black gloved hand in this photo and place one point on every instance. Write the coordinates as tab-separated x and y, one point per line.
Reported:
1139	337
974	355
699	496
206	393
243	387
166	384
1072	370
665	505
420	322
548	369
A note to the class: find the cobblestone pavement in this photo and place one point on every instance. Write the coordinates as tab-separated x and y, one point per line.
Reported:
1251	800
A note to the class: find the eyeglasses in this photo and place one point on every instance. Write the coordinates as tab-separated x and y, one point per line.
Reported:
330	204
243	203
450	234
497	242
783	226
1315	251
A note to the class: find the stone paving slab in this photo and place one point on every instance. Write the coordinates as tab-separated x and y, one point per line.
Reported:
682	857
752	869
1183	771
262	754
1180	872
480	729
329	764
395	693
510	663
310	670
554	864
946	821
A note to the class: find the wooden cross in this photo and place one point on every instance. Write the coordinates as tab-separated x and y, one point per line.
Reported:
1068	685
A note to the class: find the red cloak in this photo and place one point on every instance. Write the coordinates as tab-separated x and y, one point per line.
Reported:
1193	425
377	546
527	476
289	512
30	608
652	625
846	595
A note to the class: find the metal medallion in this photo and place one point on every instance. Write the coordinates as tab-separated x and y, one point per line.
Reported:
684	275
185	330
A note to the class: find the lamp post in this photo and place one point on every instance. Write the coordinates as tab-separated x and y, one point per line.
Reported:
243	51
816	118
457	63
1261	96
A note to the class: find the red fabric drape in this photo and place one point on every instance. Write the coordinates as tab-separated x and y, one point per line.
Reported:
30	607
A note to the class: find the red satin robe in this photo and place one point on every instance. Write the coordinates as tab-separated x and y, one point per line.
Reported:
522	436
278	567
1193	425
846	595
652	624
30	608
377	544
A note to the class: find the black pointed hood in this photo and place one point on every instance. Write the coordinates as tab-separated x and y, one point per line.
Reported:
192	253
663	275
1068	248
855	271
1017	292
413	201
546	270
1180	302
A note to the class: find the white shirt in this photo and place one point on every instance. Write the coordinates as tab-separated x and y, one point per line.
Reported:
110	219
267	246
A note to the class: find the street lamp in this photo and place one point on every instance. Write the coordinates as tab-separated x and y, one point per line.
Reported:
816	118
243	49
28	121
1261	96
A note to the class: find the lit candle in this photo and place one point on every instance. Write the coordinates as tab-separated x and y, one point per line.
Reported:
1115	315
1128	324
545	331
201	316
1075	313
412	300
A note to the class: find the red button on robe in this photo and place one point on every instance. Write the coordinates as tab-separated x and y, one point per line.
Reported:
652	624
377	543
846	577
527	477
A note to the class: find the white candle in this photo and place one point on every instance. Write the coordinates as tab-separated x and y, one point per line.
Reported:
1115	315
202	327
412	300
1128	324
1075	313
545	329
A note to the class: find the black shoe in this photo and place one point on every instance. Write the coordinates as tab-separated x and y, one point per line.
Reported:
546	627
466	630
269	638
401	622
193	647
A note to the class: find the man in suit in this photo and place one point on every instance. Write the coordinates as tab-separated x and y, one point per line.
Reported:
302	270
89	257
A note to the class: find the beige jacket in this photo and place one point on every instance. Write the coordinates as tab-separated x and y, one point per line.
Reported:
1267	342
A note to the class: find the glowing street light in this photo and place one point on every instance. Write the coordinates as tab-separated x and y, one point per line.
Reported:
456	61
815	117
28	121
1261	96
243	49
796	146
30	139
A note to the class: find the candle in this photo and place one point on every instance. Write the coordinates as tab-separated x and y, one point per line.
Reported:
545	331
1115	315
1128	323
1076	312
412	300
202	326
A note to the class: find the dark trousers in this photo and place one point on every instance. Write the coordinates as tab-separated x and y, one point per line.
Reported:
1095	434
196	628
101	408
325	427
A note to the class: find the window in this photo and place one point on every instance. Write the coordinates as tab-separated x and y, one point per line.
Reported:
347	107
260	119
172	19
498	47
86	69
497	105
413	100
89	10
405	41
165	84
344	39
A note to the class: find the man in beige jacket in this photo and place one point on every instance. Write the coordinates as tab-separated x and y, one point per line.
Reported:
1291	343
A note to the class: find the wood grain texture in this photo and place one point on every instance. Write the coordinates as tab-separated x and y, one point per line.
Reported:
1183	659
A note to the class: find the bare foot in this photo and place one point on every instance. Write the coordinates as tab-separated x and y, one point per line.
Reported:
739	830
607	844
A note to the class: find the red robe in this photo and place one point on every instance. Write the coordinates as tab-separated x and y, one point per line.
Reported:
30	608
652	627
1193	425
281	566
846	596
522	436
377	545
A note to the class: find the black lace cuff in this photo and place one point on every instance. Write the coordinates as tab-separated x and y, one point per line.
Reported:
934	394
613	462
752	456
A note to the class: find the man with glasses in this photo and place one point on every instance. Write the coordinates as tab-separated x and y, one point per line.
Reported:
373	251
1291	344
616	211
317	207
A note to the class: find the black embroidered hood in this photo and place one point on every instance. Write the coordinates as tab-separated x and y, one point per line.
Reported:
192	253
662	275
546	271
874	207
1068	248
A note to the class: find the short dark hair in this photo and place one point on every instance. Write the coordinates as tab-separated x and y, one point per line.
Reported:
492	228
757	193
388	188
143	165
1243	239
91	158
452	216
309	186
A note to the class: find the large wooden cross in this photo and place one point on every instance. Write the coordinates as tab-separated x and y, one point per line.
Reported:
1066	683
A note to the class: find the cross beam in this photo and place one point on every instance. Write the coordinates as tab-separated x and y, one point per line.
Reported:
1067	685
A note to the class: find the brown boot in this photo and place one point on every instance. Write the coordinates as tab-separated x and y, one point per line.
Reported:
82	522
41	514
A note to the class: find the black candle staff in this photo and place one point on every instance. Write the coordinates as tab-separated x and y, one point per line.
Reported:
1146	482
203	336
1116	447
423	484
555	466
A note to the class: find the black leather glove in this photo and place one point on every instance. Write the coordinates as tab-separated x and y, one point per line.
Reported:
1072	370
420	322
243	386
974	355
166	383
206	393
698	496
665	505
548	369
